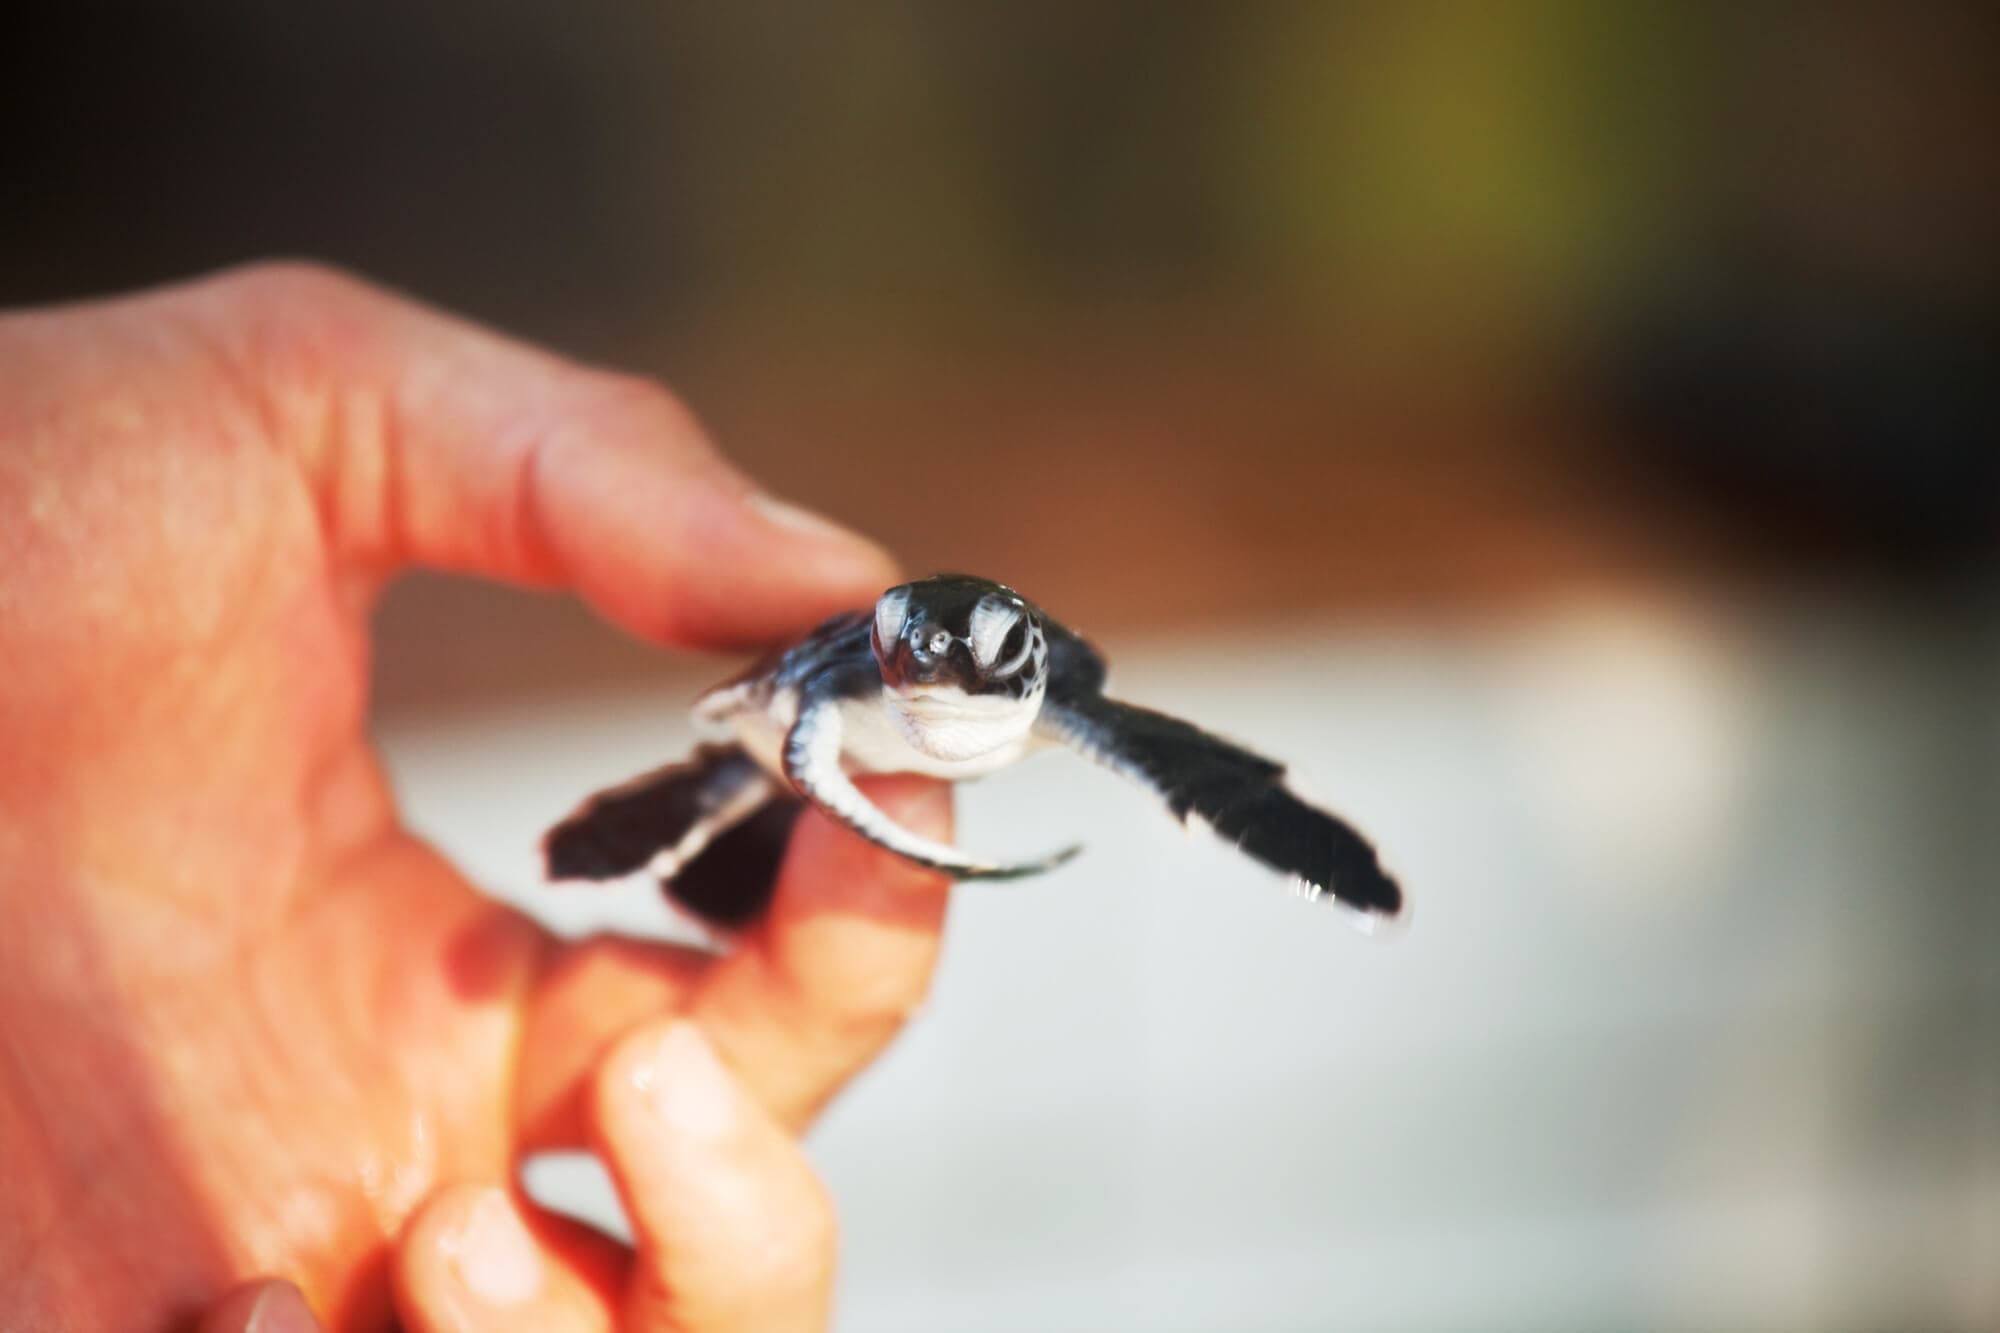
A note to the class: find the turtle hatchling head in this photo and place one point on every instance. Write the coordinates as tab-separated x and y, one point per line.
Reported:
964	663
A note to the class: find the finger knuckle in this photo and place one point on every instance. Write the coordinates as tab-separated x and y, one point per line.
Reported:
299	283
627	402
304	325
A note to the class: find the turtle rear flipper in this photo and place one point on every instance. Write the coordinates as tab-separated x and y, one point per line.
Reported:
707	828
1241	796
729	882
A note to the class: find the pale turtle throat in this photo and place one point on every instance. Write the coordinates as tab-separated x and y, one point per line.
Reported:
946	722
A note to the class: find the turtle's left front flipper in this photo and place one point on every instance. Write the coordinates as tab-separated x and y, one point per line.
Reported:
812	762
1240	795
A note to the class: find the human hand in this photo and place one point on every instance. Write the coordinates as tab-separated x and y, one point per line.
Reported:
735	1235
247	1022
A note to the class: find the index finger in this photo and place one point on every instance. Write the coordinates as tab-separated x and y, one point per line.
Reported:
426	439
735	1232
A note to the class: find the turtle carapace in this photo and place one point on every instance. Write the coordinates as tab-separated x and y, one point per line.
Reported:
953	677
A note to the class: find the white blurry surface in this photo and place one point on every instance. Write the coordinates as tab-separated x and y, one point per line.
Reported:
1692	1024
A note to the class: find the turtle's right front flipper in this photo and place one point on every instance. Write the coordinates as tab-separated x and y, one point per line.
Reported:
1203	779
812	762
711	829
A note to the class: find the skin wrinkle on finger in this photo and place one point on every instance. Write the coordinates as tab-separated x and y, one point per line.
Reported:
530	524
305	342
361	490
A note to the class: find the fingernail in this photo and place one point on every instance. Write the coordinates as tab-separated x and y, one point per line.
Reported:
687	1086
493	1254
784	514
280	1309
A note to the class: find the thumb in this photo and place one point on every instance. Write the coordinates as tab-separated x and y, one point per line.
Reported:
735	1232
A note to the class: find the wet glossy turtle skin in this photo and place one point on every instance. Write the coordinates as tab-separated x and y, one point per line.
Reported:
951	676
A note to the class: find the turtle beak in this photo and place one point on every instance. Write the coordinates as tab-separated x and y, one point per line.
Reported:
909	669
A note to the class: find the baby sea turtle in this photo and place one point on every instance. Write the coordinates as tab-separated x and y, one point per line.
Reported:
953	677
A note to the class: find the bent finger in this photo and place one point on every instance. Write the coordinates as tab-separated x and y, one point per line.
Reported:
844	957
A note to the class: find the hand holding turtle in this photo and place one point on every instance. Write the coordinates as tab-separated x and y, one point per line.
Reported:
734	1232
250	1024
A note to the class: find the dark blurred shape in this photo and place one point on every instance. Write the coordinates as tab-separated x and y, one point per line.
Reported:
728	881
731	883
1856	427
460	150
617	832
1827	374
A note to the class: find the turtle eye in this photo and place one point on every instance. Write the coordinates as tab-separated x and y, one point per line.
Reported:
1013	650
996	635
890	613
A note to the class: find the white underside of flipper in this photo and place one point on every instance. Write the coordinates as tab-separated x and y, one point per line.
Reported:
742	803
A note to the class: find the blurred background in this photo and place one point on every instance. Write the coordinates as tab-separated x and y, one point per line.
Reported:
1564	430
